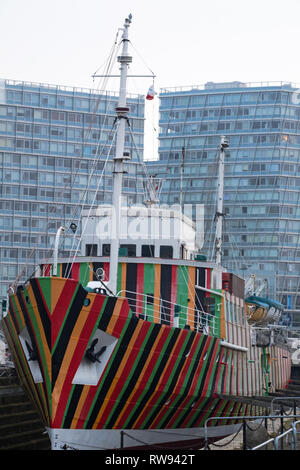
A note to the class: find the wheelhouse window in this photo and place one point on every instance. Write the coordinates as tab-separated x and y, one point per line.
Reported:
106	249
148	251
166	251
91	250
128	250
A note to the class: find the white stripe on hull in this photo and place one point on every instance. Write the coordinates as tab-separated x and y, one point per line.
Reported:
107	439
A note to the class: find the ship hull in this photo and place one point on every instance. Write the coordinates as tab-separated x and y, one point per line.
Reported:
133	439
154	384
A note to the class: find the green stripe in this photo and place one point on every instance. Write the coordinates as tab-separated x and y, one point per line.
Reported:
197	392
45	285
167	385
16	313
40	344
119	277
182	293
150	380
84	273
180	397
149	288
111	361
131	373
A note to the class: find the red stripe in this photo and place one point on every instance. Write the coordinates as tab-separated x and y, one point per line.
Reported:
106	272
180	383
208	280
59	313
46	269
163	379
124	374
211	366
191	391
78	354
117	330
173	292
75	271
145	377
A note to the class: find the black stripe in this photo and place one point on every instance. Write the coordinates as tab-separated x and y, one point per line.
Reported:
199	293
66	270
65	335
131	281
163	361
42	310
165	290
95	267
173	381
122	346
225	366
33	341
188	384
28	325
204	377
137	371
107	313
72	406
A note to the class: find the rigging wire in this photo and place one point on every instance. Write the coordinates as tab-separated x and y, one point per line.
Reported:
70	182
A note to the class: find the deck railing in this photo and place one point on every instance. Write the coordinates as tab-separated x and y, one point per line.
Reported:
158	310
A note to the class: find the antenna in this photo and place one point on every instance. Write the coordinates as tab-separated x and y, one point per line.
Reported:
122	111
224	143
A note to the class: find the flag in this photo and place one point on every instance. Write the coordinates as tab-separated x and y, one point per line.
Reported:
151	93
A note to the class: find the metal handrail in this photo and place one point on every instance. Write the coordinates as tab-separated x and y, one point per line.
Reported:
244	419
278	439
166	307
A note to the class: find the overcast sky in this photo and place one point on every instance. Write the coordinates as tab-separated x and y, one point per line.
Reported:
186	42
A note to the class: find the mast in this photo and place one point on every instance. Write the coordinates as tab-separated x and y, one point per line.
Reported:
121	110
224	143
181	178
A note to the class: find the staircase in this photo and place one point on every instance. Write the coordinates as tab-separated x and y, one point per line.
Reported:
21	427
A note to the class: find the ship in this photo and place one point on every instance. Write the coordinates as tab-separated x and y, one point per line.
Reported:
138	341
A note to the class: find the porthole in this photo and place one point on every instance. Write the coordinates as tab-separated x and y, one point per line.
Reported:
86	302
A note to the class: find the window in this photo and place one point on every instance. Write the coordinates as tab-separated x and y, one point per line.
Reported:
128	250
106	249
148	251
91	250
166	252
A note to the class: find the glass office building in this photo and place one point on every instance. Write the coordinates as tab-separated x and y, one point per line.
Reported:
56	147
262	175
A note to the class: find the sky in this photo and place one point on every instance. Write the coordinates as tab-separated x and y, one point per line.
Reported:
184	43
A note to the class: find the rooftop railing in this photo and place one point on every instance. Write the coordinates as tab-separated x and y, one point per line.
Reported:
211	86
19	84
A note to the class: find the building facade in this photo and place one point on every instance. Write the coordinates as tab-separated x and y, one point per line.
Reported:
56	147
262	175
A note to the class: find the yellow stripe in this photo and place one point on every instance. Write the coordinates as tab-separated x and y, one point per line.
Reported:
19	311
123	279
82	318
41	329
57	286
115	316
162	378
80	405
115	382
150	358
